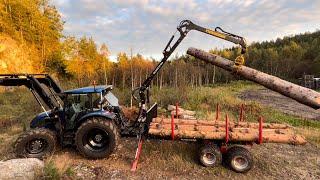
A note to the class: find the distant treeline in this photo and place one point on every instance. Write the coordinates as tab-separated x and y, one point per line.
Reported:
38	26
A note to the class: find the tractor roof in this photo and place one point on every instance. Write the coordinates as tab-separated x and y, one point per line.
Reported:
90	89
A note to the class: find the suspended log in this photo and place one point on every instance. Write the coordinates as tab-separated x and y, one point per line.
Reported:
233	136
301	94
219	123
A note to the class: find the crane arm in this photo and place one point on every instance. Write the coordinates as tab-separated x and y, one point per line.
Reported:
184	27
144	118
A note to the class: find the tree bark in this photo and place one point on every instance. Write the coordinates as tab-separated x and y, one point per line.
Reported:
301	94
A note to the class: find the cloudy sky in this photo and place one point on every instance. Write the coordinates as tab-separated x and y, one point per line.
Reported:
147	25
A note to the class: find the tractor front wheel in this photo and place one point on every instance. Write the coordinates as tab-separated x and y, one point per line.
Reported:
35	143
97	138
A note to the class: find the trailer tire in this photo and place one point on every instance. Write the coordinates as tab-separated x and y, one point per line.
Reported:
210	155
97	138
239	159
35	143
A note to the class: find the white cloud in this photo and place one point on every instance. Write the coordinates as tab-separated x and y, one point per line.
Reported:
146	25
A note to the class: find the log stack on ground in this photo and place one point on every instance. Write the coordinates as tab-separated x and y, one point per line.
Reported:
182	113
216	130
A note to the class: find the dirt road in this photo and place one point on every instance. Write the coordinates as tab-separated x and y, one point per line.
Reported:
280	102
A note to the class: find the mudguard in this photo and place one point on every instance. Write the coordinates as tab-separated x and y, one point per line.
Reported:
42	120
101	113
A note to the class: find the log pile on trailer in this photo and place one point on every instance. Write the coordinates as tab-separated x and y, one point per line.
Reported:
225	130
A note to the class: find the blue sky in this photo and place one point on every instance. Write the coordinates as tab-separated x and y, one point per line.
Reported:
147	25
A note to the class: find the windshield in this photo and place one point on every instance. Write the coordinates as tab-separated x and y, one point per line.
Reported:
112	99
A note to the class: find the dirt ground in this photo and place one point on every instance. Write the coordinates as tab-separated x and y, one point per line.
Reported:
272	161
277	101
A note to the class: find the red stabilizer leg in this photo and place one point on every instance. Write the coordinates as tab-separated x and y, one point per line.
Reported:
137	156
260	130
172	127
227	128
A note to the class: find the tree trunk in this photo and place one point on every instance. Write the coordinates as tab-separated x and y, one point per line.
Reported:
301	94
214	75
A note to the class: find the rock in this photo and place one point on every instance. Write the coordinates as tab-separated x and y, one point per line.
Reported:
26	168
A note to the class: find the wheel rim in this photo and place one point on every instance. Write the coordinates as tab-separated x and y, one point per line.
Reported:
96	139
36	146
240	162
209	158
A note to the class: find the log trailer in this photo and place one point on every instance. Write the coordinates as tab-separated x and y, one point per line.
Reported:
91	119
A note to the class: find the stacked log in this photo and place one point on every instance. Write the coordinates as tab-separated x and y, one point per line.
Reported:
181	113
216	130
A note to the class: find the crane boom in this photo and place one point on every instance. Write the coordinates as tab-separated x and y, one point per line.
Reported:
144	118
184	27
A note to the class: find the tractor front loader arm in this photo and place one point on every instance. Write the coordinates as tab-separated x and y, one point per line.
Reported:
35	82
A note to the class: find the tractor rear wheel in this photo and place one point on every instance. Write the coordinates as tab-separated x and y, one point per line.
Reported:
35	143
97	138
239	159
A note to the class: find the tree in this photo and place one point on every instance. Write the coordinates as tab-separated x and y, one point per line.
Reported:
104	51
123	66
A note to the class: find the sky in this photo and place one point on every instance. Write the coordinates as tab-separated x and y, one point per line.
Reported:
147	25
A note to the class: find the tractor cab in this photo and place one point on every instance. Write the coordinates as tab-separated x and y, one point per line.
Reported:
81	102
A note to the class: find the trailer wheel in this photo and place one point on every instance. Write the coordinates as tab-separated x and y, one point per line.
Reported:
35	143
97	138
210	156
239	159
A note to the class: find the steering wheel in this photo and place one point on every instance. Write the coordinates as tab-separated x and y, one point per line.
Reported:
76	108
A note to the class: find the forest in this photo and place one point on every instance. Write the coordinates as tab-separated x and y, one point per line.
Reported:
32	40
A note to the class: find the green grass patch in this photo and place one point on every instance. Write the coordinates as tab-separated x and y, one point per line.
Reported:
51	171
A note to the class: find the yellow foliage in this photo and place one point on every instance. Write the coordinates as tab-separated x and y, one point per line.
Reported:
18	57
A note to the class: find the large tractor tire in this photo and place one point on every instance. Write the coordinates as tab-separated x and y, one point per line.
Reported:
97	138
35	143
239	159
210	155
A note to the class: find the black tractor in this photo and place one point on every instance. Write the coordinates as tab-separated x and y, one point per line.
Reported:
89	118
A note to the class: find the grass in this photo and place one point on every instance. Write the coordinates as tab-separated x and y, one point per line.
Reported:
50	171
53	171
